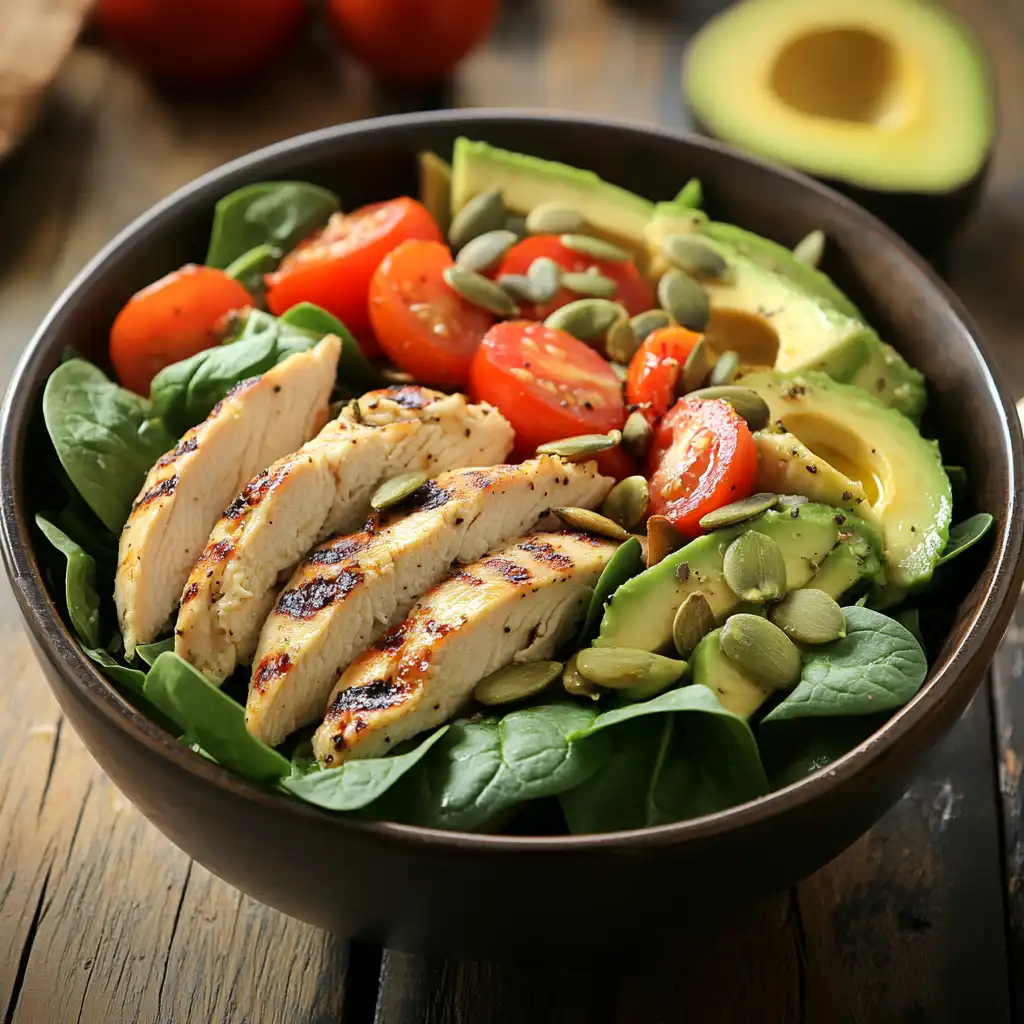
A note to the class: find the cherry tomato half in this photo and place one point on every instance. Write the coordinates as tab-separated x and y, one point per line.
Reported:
702	457
655	368
171	319
422	325
546	383
333	267
633	292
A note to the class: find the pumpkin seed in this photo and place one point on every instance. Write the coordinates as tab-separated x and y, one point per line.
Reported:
747	403
761	650
637	434
662	539
739	511
485	251
684	299
754	568
620	342
590	283
519	286
626	503
809	617
639	674
591	522
596	247
789	500
810	248
647	323
620	370
480	291
546	277
517	225
397	489
436	188
581	447
725	369
694	255
696	368
575	684
555	218
516	682
483	213
693	621
586	319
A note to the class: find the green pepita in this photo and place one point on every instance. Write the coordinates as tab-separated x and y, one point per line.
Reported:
747	403
696	368
809	617
397	489
587	245
684	299
761	650
517	225
485	251
581	447
647	323
516	682
483	213
480	291
591	522
725	369
519	286
638	674
755	569
591	284
637	434
739	511
810	248
546	277
575	685
620	342
693	255
586	319
555	218
626	503
662	539
694	619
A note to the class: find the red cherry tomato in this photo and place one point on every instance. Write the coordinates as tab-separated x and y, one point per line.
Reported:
422	325
655	368
333	267
702	457
195	43
411	42
633	292
546	383
171	319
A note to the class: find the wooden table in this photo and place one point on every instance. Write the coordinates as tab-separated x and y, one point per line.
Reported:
102	920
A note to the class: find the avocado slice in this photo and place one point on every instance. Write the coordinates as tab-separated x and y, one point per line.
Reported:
890	95
861	438
527	181
736	692
889	377
640	613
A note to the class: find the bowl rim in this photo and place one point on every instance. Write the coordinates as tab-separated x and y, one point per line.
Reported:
980	635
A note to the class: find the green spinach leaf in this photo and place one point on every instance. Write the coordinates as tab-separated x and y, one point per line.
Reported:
150	652
353	367
876	667
209	717
102	437
130	679
80	594
354	784
277	213
965	535
627	562
249	268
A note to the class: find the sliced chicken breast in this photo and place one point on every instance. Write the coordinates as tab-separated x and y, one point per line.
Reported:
520	603
311	494
350	589
187	490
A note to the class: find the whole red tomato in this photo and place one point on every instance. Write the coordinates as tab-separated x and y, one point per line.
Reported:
411	42
195	43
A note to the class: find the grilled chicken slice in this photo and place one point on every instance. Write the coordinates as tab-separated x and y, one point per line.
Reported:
189	487
321	489
350	589
520	603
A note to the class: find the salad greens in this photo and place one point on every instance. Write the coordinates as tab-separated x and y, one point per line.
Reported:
80	595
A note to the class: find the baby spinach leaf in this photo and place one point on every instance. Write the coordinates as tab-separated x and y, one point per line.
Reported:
627	562
210	718
965	535
876	667
150	652
910	620
477	770
102	438
130	679
277	213
80	595
354	784
249	268
353	367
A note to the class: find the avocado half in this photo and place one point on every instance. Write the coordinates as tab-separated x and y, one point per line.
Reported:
888	100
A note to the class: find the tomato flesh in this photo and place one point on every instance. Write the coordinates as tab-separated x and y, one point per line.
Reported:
170	320
333	267
655	369
546	383
420	323
702	457
633	292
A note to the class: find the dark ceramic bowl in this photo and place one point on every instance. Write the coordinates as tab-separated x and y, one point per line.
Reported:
483	894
